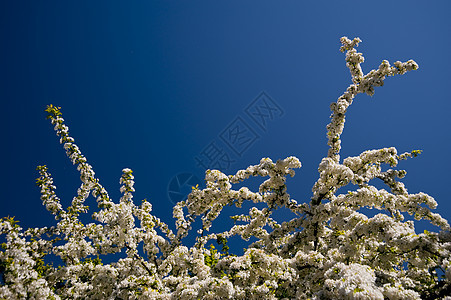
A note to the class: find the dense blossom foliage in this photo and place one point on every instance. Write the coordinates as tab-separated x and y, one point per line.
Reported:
329	250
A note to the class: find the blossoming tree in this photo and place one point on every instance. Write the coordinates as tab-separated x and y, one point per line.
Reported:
330	250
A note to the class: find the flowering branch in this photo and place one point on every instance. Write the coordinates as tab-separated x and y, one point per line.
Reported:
330	249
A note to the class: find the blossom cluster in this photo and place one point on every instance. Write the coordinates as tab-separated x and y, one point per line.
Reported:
330	249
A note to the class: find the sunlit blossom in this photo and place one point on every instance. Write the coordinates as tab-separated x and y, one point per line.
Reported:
329	250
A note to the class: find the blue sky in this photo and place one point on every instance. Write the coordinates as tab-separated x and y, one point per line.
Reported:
153	85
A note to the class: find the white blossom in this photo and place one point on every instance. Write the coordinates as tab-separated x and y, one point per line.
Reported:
330	249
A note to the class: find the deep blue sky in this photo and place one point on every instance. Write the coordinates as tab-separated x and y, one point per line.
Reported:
150	84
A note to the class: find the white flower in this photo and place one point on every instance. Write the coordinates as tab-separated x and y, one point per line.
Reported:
329	249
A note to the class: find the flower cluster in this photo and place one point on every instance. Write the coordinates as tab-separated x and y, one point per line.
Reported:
330	249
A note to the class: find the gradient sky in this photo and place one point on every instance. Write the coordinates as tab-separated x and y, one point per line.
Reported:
155	85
